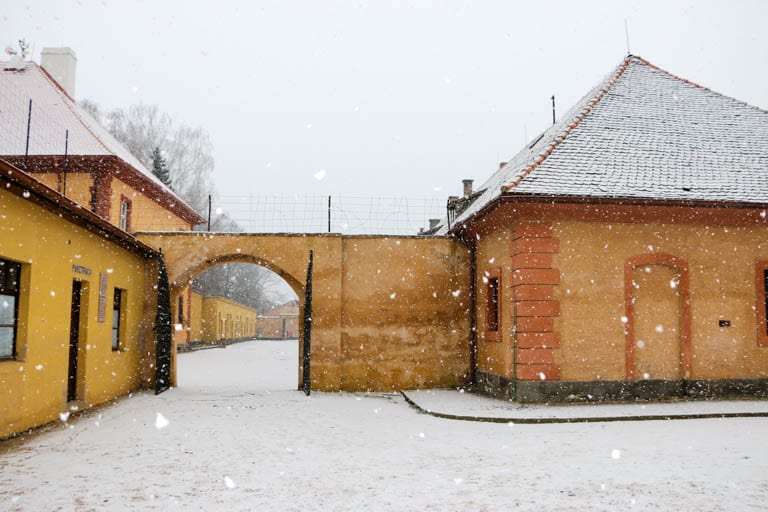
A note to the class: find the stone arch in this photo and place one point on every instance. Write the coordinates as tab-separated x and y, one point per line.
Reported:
187	253
186	275
681	267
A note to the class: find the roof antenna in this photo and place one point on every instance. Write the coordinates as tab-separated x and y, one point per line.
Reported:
626	33
553	109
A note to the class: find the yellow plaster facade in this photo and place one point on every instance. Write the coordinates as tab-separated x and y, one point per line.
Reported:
224	319
388	312
54	252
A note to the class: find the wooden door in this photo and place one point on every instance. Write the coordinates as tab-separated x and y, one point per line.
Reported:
74	340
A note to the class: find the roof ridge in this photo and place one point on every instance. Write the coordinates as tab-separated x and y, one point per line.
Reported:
694	84
75	110
558	139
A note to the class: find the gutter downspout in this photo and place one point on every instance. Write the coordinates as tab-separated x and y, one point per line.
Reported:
473	315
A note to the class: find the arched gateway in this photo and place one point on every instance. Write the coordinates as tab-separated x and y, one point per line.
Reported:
387	312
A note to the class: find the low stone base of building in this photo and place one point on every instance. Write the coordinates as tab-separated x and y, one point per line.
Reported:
617	391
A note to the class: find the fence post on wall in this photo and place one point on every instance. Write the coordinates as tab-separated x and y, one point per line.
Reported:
209	212
329	214
307	352
29	126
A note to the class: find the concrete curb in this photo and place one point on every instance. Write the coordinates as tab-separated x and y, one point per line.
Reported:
583	419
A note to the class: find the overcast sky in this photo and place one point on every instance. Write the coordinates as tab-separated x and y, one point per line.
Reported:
381	98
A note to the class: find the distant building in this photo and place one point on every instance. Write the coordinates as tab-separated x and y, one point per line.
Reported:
280	323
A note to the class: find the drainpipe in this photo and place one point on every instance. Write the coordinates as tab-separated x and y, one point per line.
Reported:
473	315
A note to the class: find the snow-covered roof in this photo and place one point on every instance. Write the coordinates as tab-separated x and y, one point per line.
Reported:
642	133
53	113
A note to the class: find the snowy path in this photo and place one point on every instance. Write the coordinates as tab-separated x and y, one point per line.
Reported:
238	438
452	403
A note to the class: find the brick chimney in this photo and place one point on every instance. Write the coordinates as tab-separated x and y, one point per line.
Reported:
467	187
60	63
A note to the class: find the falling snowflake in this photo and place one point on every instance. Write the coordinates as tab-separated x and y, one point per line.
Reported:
229	482
161	422
615	454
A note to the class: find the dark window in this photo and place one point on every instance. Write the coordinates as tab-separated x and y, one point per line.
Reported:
117	310
181	310
10	271
765	300
492	311
761	304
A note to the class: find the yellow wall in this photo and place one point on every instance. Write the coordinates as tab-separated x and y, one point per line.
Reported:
720	246
721	261
196	317
78	185
277	327
387	312
34	386
492	253
405	313
146	214
227	320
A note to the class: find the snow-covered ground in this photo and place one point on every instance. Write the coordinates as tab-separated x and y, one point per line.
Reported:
236	436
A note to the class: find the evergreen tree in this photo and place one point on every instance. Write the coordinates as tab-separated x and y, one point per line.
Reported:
159	167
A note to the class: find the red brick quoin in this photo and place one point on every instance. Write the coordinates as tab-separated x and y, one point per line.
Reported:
533	281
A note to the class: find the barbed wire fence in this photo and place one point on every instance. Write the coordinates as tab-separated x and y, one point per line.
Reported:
312	213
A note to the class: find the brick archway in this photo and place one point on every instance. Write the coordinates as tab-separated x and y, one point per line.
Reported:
187	254
681	267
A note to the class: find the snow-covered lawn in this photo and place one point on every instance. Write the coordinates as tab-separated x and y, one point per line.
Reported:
236	436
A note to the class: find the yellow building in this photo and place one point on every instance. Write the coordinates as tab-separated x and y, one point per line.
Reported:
280	323
47	134
623	254
73	154
72	289
225	319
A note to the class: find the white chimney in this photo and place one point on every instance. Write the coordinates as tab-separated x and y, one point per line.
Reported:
60	63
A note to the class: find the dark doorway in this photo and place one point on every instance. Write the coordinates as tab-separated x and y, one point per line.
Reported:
74	338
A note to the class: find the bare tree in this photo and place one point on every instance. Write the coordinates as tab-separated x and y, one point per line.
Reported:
143	129
188	156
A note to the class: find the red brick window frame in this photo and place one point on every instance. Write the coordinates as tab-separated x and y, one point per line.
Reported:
761	288
492	281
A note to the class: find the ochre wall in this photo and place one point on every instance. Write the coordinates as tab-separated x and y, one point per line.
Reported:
78	185
387	312
146	214
34	386
224	319
196	321
271	327
405	313
492	254
721	262
563	281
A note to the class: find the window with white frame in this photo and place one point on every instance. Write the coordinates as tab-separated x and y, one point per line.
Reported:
10	272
